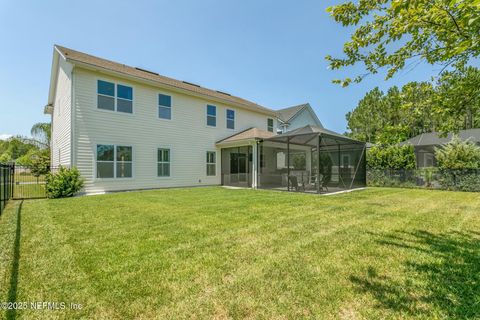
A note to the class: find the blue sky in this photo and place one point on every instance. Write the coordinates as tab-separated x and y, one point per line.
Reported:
270	52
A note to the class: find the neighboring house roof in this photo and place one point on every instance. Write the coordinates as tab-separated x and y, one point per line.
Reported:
77	57
249	134
287	114
433	138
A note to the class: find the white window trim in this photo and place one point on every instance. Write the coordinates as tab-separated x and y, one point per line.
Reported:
273	125
210	163
159	106
95	178
207	115
157	162
234	119
115	96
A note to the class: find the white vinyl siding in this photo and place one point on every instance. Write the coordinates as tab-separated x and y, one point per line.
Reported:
186	135
61	118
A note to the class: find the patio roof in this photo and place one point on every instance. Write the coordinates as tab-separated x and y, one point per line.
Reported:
248	134
306	134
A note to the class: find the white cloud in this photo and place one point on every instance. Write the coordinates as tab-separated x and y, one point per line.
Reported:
5	136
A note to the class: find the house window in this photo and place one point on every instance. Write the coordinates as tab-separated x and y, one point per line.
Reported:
164	106
114	98
211	167
230	119
106	95
163	162
211	116
270	124
124	162
114	161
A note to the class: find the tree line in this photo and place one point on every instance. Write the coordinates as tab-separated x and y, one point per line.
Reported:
449	104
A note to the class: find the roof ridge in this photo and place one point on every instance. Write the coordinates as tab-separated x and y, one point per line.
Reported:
89	59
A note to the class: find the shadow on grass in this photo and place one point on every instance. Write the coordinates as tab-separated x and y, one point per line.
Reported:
443	277
12	292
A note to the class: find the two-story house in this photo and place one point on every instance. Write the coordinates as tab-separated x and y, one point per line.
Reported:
127	128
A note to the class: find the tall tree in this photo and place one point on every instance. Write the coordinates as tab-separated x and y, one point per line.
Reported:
395	34
458	99
42	133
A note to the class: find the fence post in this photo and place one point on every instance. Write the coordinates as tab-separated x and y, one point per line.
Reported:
12	178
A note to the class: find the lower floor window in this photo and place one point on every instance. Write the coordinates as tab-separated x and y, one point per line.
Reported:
211	166
114	161
163	162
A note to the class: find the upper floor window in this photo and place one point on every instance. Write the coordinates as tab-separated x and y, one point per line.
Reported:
211	160
164	106
114	97
163	162
230	119
211	116
270	124
114	161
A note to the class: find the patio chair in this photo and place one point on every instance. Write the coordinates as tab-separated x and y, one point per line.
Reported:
293	181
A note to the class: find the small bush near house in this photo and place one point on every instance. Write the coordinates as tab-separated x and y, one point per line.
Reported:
64	183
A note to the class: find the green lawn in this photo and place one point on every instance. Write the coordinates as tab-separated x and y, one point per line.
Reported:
216	253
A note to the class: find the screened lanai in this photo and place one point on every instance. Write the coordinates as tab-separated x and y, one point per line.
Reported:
308	159
311	159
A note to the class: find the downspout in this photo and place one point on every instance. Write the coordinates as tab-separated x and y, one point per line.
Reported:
73	161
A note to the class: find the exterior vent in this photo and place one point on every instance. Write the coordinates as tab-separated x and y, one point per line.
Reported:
192	84
147	71
225	93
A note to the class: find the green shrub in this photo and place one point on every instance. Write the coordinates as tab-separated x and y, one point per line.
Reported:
460	180
64	183
458	154
391	157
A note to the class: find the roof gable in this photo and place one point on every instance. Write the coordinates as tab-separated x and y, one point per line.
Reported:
286	115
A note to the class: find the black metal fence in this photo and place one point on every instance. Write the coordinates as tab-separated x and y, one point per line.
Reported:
29	182
22	182
6	185
431	178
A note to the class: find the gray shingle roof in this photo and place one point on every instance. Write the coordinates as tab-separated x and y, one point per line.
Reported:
288	113
310	130
434	139
83	58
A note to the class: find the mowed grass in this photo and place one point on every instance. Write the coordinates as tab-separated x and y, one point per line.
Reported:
214	253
